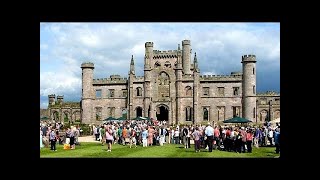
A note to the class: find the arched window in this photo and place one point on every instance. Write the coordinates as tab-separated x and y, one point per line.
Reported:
139	91
167	64
188	91
157	65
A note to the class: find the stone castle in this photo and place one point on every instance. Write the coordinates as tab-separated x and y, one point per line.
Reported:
173	90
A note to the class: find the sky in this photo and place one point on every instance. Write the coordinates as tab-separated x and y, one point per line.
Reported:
219	47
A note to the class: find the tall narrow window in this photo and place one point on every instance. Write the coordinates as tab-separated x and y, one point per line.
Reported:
139	91
98	113
205	114
254	112
254	89
253	71
234	110
235	91
98	93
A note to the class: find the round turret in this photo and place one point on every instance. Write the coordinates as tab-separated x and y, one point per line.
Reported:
249	87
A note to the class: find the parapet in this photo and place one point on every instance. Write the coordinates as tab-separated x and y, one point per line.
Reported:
52	96
249	58
60	97
114	79
268	93
186	42
236	73
165	54
233	77
87	65
149	44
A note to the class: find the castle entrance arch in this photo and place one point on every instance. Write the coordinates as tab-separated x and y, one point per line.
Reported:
162	112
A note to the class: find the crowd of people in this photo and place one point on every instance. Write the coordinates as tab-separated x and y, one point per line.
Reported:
134	133
51	133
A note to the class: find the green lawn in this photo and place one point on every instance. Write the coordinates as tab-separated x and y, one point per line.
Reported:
166	151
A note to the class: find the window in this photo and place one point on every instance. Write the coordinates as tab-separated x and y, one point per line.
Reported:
221	91
188	91
235	91
124	93
254	112
139	91
111	112
253	71
205	91
157	65
205	114
189	113
98	113
111	92
254	89
98	93
167	64
236	111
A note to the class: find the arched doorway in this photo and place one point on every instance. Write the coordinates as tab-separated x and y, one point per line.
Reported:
139	111
162	113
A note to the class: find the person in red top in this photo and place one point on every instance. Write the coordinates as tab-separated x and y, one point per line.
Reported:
216	137
228	141
249	140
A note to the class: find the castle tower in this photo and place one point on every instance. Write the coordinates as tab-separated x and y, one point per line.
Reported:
60	99
52	98
186	57
249	87
196	86
87	92
178	70
147	87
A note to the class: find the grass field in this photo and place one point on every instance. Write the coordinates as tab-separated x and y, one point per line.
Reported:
96	150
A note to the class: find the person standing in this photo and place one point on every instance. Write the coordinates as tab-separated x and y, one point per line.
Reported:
109	137
144	136
41	145
196	137
162	133
249	140
277	139
209	134
53	139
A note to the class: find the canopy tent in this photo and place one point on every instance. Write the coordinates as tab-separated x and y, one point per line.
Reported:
121	118
44	118
141	118
237	120
110	118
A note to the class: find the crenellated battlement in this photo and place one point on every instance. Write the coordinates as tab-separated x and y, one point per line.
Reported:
232	77
148	44
165	54
52	96
60	97
139	78
87	65
114	79
268	93
249	57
